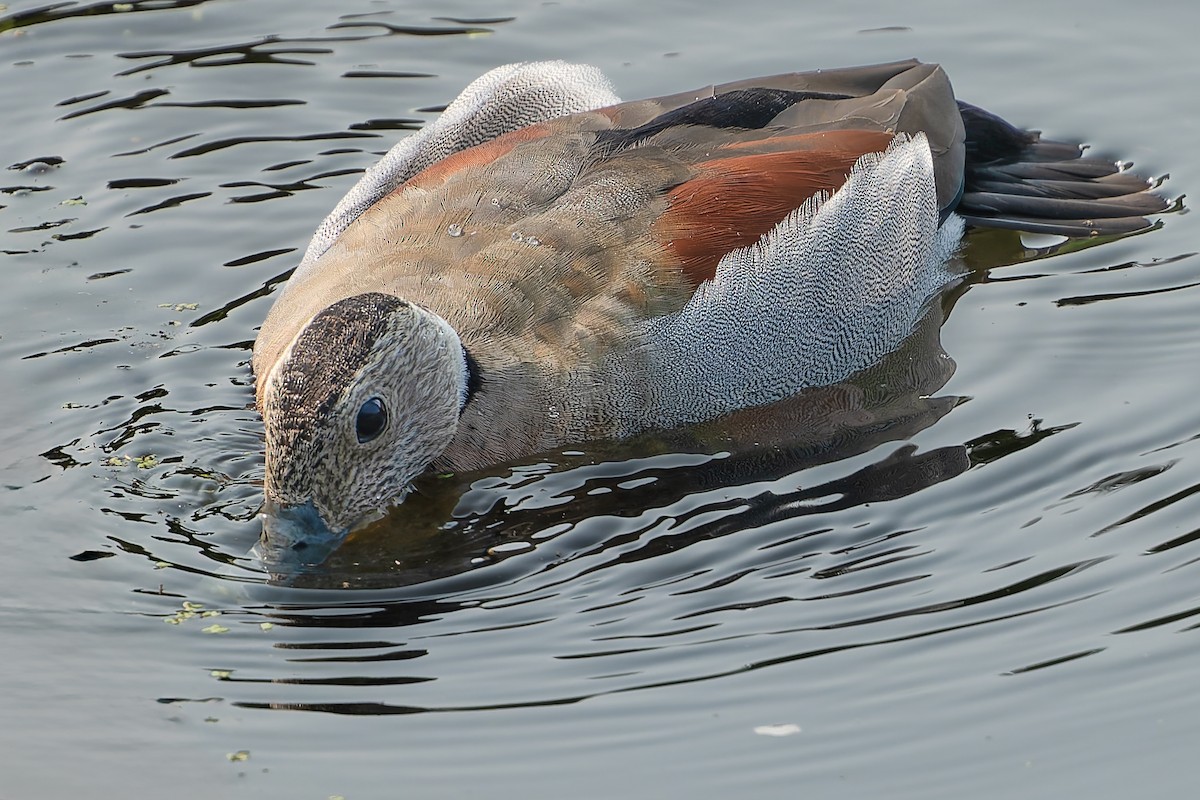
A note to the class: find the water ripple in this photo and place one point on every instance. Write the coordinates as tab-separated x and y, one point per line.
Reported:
997	524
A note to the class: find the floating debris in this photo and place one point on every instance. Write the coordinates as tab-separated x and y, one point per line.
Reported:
143	462
509	548
777	730
189	610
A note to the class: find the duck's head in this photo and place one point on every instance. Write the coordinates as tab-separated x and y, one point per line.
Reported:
365	396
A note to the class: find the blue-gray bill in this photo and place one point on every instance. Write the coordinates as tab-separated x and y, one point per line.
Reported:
295	535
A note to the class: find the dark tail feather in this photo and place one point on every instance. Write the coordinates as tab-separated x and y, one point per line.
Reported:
1017	181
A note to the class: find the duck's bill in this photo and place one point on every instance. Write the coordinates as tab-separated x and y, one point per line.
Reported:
296	535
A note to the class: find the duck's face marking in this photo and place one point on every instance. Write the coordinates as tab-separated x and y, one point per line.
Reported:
364	398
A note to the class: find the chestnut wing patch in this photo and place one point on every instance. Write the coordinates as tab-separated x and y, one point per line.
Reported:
735	198
480	155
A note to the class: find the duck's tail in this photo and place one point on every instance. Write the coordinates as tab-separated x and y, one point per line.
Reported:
1016	180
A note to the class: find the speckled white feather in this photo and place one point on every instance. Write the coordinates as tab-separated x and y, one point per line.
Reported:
827	292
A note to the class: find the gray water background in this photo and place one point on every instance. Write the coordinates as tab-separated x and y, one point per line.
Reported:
996	598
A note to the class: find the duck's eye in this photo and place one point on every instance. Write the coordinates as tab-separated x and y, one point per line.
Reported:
372	419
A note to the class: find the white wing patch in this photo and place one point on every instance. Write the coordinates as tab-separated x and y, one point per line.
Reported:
505	99
827	292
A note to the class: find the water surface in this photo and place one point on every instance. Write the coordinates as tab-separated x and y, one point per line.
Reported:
983	584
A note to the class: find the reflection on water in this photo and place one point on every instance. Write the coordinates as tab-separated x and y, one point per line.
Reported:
1001	512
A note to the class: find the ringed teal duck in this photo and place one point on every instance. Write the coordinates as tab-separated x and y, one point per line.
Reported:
545	265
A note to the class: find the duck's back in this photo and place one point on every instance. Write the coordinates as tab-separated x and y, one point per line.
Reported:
568	253
633	203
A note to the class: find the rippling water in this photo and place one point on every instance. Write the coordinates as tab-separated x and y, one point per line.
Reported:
972	570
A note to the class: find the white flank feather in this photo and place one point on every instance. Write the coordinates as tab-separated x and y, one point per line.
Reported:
827	292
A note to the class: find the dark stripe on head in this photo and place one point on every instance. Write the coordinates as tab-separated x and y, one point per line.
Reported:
751	109
327	354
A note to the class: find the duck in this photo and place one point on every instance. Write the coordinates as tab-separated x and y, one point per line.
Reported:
545	265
